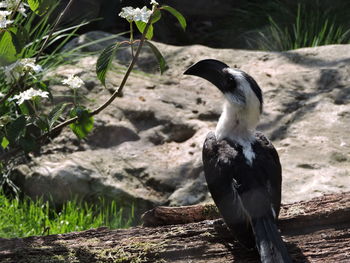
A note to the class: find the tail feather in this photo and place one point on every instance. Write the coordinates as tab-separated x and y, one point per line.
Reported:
269	241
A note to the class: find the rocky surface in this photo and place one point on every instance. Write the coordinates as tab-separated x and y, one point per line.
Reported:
146	146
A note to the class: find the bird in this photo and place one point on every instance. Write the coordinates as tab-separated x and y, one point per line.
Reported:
241	166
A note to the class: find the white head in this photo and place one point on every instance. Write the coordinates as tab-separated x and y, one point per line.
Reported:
244	102
243	105
242	108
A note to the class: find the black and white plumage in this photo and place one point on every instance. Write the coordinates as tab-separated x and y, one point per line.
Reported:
241	166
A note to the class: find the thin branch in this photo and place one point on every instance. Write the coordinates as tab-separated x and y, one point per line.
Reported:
118	92
14	88
131	39
15	10
9	94
58	20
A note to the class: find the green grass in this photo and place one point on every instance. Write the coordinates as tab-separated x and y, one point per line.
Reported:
310	28
22	218
277	25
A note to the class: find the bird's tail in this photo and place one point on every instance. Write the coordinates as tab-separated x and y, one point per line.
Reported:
269	241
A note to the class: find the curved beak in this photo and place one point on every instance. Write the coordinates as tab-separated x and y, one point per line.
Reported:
211	70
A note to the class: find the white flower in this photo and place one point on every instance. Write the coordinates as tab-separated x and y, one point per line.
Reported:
127	13
135	14
28	65
14	71
11	6
153	2
2	95
73	81
142	14
29	94
3	19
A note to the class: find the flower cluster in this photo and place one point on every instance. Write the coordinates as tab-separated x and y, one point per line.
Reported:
73	82
12	5
14	71
28	95
135	14
4	22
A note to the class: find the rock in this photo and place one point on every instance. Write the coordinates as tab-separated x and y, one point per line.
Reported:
96	41
146	146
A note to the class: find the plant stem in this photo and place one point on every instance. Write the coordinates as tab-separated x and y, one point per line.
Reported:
131	39
58	20
15	10
75	97
14	88
9	94
118	92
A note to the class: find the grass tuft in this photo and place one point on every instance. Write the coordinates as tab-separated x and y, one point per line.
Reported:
310	28
23	218
277	25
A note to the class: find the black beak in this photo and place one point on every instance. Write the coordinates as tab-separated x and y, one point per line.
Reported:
211	70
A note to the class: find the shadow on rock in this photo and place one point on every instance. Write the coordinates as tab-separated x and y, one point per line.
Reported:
109	136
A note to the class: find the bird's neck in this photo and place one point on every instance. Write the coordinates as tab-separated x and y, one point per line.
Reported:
237	124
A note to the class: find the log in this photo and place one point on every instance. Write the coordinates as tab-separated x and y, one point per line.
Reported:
314	231
335	208
165	215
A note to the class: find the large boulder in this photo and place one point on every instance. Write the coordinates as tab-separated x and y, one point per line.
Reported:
145	148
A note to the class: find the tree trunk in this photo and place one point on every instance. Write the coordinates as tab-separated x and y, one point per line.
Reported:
314	231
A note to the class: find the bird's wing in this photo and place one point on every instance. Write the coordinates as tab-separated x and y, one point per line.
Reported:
259	183
218	158
269	168
268	177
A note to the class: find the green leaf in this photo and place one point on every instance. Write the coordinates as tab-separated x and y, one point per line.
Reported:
104	62
42	123
12	41
84	124
20	37
40	7
55	113
25	109
4	142
156	16
28	144
177	15
141	27
9	48
33	130
162	63
16	129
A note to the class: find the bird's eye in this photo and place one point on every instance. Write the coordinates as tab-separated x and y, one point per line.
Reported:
231	82
231	79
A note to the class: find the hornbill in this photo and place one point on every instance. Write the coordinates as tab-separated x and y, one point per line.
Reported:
241	166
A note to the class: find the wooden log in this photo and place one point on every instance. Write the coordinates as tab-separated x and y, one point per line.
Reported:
314	231
166	215
327	209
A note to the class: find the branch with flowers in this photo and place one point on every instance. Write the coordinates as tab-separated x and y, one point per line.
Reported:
23	125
